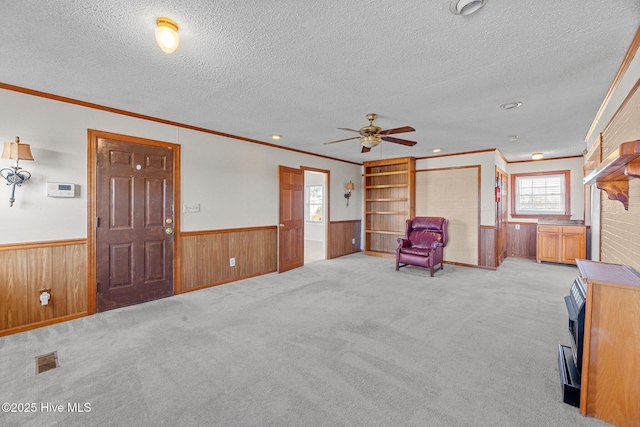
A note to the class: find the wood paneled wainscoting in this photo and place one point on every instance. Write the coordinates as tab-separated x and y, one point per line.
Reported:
488	248
522	239
25	269
205	255
341	235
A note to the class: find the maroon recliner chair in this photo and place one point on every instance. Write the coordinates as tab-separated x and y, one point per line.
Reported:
423	244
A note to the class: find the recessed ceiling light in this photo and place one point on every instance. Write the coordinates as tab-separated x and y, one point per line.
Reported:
436	150
513	138
511	105
465	7
276	136
537	156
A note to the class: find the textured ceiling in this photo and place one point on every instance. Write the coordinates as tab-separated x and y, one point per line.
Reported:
303	69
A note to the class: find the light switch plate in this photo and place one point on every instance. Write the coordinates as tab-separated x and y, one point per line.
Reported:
191	208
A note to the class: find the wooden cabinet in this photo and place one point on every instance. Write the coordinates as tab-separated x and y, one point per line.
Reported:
561	243
610	375
389	200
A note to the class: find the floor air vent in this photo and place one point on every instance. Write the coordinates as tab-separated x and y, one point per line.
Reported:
46	362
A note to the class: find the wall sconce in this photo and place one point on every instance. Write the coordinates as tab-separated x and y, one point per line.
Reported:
167	35
350	187
14	175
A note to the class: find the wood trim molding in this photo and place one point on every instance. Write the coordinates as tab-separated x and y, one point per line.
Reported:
458	154
327	200
450	168
226	230
543	160
622	106
626	62
567	195
36	325
462	264
502	155
156	119
46	244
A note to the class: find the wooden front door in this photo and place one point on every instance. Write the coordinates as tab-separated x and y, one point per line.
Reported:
291	229
501	217
135	222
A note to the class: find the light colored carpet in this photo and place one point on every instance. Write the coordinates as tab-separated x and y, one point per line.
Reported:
342	342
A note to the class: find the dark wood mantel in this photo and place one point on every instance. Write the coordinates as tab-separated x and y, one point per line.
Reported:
613	173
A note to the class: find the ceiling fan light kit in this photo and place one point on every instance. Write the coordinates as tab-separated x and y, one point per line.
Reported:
370	141
371	136
465	7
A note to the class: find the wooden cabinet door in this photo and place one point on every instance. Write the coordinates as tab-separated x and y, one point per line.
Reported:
574	246
548	247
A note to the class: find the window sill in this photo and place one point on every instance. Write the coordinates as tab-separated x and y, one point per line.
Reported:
541	216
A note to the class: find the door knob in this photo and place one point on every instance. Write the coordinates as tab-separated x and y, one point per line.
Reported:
168	230
281	225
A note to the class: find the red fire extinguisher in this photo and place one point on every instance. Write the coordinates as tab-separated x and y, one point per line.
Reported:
497	194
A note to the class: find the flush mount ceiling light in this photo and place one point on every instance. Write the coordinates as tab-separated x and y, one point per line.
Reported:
511	105
276	137
167	35
436	150
465	7
537	156
512	138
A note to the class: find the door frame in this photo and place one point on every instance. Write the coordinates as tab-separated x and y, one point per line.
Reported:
92	204
501	222
327	187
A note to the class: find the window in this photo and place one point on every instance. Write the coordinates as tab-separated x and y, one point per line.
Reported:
541	195
315	202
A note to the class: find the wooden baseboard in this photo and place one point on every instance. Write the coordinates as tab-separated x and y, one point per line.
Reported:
36	325
235	279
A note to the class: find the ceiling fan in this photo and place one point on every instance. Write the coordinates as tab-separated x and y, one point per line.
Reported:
371	135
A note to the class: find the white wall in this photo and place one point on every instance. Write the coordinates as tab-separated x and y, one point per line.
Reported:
235	182
577	188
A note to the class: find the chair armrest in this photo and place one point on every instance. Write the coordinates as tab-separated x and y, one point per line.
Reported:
404	243
436	244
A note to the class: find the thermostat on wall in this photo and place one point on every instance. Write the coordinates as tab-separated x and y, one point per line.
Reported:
61	189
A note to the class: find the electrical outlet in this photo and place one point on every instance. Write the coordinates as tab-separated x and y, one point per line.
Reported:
517	226
232	262
353	241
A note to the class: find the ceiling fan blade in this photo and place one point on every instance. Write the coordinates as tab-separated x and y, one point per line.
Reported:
350	130
397	130
340	140
365	149
399	141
